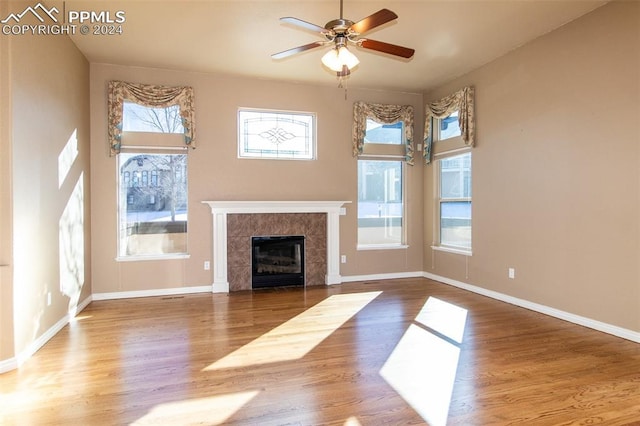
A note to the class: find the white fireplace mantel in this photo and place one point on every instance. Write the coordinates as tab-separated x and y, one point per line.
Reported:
220	210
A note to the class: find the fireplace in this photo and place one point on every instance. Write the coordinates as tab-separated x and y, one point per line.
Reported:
232	241
277	261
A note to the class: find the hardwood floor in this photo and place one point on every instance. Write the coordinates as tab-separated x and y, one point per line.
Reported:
407	351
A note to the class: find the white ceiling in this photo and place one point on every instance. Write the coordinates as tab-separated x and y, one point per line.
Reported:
451	37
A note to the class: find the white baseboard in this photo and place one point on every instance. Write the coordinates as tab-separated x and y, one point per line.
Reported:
149	293
557	313
8	365
15	362
390	276
220	287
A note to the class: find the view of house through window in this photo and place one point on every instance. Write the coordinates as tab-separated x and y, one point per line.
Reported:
152	183
455	201
152	203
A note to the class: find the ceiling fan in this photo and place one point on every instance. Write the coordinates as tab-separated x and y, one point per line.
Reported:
341	32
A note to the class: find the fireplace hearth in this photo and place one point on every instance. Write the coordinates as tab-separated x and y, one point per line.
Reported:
277	261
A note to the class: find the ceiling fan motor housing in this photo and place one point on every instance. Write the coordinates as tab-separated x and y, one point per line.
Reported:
339	26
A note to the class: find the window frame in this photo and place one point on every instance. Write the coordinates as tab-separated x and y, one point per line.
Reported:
447	146
313	139
439	200
393	153
124	200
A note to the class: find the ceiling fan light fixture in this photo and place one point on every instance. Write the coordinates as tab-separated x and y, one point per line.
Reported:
347	58
338	57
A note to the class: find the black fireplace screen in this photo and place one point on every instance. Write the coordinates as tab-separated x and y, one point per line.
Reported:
277	261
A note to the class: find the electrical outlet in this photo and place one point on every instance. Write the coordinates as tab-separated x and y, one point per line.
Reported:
49	299
512	273
207	265
343	258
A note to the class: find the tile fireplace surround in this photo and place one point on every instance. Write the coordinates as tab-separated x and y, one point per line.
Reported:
235	222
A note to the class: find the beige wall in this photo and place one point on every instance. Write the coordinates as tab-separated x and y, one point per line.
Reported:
7	351
215	173
49	85
556	171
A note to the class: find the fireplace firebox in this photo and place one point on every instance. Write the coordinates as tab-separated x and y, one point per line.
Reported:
277	261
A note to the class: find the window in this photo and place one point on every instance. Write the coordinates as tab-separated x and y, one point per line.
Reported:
448	127
387	134
140	118
454	202
449	123
380	186
152	219
380	204
276	135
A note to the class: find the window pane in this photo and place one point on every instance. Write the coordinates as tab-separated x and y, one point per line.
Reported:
449	126
380	209
455	201
152	218
455	224
455	176
139	118
383	133
274	134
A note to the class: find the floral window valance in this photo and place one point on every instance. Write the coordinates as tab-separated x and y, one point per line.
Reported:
461	101
388	114
150	96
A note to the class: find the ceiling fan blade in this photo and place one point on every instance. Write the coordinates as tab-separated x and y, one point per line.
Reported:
380	17
298	49
303	24
381	46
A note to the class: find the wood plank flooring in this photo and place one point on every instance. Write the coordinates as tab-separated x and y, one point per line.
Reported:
408	351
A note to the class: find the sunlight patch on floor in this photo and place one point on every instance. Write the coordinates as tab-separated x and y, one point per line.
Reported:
297	337
443	317
422	367
352	421
80	317
212	410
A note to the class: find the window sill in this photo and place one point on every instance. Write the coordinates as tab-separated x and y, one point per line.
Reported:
382	247
452	250
169	256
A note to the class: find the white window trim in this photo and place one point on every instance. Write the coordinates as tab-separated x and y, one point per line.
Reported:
138	258
390	246
437	245
365	247
142	258
314	134
448	249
